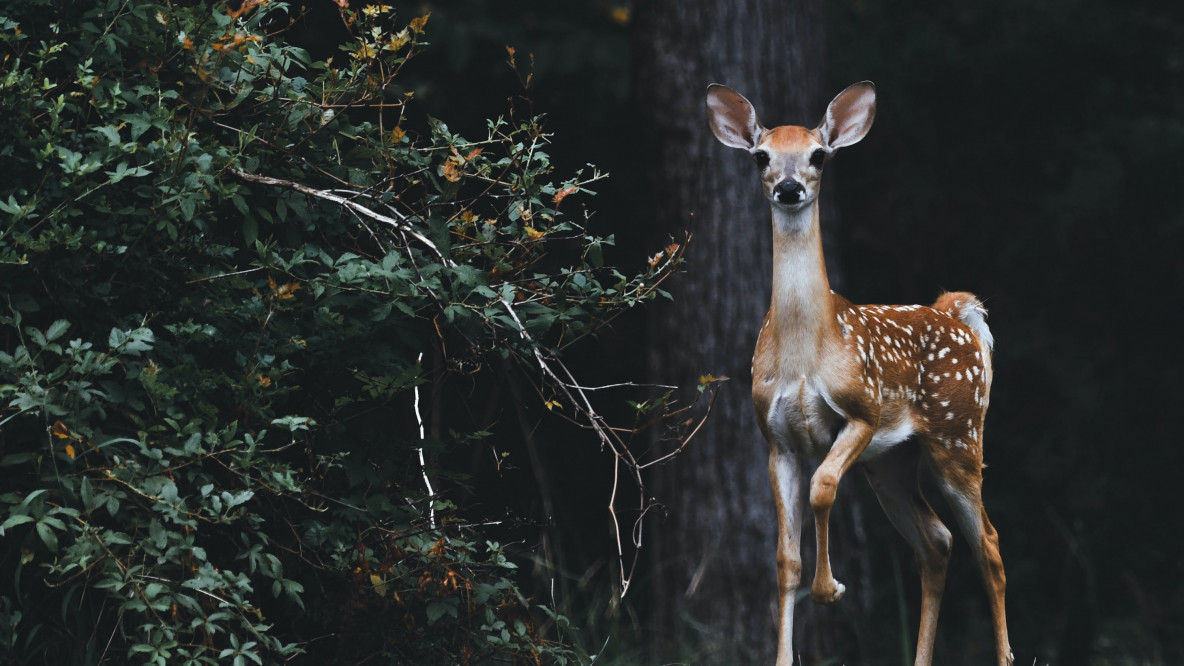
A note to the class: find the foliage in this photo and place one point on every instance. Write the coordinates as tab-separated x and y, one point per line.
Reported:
232	274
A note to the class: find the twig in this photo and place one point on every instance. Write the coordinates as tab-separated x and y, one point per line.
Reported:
576	394
224	275
688	438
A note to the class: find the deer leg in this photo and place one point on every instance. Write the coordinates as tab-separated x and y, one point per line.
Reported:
894	479
848	446
962	485
786	476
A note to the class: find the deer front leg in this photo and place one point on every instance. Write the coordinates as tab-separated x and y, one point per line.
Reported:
848	446
785	473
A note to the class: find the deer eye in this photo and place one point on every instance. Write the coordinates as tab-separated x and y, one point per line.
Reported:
817	158
761	158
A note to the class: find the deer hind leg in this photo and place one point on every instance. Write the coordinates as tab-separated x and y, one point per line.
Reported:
893	477
785	473
962	483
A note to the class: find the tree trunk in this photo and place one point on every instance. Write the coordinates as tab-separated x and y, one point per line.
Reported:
714	579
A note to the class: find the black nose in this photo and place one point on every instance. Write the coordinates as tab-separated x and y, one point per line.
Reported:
789	191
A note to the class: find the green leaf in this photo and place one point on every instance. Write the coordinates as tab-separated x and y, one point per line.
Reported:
110	133
13	521
11	206
86	491
48	537
438	608
250	228
56	329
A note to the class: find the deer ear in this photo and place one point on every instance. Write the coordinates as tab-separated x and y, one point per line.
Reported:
732	118
849	116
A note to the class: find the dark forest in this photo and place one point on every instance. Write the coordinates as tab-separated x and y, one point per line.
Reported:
1029	152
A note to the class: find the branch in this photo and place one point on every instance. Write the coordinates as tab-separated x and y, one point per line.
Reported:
423	468
399	224
578	398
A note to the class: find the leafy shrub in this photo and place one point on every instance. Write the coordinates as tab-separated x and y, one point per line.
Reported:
232	273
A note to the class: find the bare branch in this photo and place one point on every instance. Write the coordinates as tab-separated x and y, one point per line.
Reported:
329	195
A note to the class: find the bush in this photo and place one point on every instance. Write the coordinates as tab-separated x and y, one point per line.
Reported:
236	278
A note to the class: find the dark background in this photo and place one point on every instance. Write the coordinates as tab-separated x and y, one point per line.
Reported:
1030	152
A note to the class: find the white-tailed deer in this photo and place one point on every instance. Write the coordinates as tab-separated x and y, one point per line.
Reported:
886	386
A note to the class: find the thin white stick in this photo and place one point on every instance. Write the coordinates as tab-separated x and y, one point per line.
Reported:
423	468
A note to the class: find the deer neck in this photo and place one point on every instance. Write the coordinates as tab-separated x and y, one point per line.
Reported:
801	314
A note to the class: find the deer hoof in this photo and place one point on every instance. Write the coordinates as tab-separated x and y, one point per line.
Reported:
828	594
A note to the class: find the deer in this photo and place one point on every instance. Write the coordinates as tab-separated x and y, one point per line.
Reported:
894	388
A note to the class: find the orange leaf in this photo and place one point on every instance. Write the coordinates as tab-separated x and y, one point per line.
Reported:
562	194
397	135
282	291
247	6
59	430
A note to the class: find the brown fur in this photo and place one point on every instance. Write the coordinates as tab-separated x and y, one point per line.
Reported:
875	375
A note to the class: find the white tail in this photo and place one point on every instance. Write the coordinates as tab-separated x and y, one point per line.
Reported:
886	386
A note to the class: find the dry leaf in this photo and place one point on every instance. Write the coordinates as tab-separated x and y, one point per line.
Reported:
562	194
282	291
364	52
397	41
379	584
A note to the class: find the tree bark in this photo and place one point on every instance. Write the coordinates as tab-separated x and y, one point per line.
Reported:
714	584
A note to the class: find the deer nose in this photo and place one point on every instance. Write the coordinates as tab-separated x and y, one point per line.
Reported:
789	191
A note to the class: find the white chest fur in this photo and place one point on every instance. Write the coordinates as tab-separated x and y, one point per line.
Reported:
800	418
803	417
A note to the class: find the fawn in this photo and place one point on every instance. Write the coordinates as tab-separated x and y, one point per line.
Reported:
853	383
